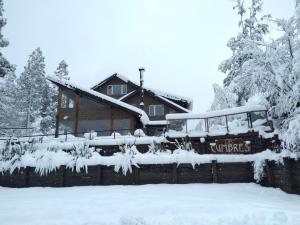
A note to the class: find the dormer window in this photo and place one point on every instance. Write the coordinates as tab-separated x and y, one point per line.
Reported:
117	89
156	110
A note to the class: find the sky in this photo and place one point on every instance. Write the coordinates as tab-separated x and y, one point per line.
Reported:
179	42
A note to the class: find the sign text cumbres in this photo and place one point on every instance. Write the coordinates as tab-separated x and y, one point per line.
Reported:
236	145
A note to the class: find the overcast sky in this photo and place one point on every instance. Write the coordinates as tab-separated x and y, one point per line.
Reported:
179	42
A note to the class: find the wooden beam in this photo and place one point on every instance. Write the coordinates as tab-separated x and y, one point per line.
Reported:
111	124
58	107
77	108
226	118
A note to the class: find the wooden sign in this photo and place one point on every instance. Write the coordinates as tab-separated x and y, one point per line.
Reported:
235	145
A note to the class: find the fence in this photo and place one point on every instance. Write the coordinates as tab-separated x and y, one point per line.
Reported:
286	176
66	135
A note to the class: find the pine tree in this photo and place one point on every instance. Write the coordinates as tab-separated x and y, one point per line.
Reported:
62	70
31	85
48	108
7	85
5	66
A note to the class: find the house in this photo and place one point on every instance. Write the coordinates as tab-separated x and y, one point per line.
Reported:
114	104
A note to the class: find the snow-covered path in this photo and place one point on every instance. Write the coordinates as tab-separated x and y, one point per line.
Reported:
197	204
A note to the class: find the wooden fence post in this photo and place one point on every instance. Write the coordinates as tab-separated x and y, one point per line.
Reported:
174	173
270	177
27	176
214	170
136	175
99	175
63	176
288	176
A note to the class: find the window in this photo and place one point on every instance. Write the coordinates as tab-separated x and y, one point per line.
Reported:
67	100
122	126
156	110
118	89
99	126
87	103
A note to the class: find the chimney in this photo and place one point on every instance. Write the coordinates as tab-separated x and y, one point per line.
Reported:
142	70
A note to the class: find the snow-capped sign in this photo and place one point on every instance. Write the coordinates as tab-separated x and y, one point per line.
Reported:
230	146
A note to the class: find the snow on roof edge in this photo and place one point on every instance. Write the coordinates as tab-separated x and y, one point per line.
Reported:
223	112
143	116
174	104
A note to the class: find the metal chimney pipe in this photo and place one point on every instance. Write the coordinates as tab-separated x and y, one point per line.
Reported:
142	104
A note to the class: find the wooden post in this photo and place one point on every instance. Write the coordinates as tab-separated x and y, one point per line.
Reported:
250	120
174	173
27	176
227	124
136	175
63	176
214	171
77	108
288	176
206	125
99	175
111	124
270	177
59	97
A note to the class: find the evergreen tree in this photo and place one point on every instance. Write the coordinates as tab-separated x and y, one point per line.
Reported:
62	70
31	85
48	109
7	85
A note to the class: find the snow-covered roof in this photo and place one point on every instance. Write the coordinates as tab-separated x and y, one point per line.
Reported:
174	104
167	95
223	112
157	122
125	96
143	116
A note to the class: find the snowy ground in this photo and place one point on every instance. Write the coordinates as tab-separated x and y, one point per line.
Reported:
197	204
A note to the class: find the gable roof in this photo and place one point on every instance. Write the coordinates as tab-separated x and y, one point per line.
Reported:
165	95
96	95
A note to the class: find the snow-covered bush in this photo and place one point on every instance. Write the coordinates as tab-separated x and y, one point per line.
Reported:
184	144
90	136
127	158
258	99
13	150
292	135
139	133
156	147
82	150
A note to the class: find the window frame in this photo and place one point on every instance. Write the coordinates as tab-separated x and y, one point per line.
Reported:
111	87
154	109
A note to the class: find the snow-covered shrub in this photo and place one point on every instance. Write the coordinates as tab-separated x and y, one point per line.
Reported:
90	136
258	99
292	135
156	147
116	134
139	133
81	150
127	158
184	144
258	166
13	150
